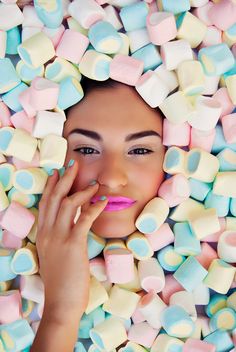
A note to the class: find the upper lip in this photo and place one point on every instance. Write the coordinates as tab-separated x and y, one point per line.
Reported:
118	199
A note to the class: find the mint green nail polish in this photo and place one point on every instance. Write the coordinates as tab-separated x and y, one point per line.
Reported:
71	162
62	171
91	183
103	198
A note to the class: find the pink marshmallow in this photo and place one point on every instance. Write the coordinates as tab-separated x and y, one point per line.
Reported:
214	237
21	120
176	134
17	219
161	27
202	13
223	98
171	286
126	69
54	34
226	7
143	334
213	37
10	241
25	101
161	237
32	287
21	164
202	139
98	268
194	345
43	94
137	316
229	127
207	255
175	190
10	306
4	115
119	265
67	48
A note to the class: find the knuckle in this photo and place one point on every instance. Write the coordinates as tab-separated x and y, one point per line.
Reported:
67	202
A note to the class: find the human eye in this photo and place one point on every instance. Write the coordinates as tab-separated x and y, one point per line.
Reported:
86	150
140	151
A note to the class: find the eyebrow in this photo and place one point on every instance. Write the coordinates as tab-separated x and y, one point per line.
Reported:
130	137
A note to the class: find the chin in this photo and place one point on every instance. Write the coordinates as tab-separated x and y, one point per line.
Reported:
106	230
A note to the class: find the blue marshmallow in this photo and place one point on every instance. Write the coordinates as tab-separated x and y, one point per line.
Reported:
104	37
216	59
13	40
176	6
221	339
79	347
185	243
95	245
6	256
217	301
11	98
134	16
9	78
220	203
199	189
220	143
227	159
150	56
51	14
70	93
233	206
169	259
184	274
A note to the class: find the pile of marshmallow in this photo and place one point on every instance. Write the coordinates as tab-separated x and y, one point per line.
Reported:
171	285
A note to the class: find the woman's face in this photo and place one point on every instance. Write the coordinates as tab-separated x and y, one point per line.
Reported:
108	151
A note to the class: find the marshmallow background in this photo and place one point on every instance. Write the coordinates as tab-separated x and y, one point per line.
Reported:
180	56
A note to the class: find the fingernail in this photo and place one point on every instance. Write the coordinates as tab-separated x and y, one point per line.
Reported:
102	198
70	163
91	183
61	171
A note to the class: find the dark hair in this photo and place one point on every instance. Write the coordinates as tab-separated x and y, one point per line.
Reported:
89	84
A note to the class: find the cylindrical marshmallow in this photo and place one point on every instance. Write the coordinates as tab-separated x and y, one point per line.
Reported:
226	247
86	13
139	246
176	134
174	52
143	334
152	216
187	209
161	27
95	65
11	306
224	184
223	319
6	256
119	265
169	259
151	307
25	260
97	295
220	276
151	275
186	243
48	122
10	16
161	237
31	180
17	335
134	16
52	151
165	343
174	161
216	303
126	69
70	93
174	190
192	345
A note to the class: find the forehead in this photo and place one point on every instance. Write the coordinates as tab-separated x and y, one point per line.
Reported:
113	108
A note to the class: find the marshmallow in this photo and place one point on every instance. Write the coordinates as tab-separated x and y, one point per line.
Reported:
11	241
52	151
97	295
25	261
95	244
151	275
176	7
226	247
60	69
47	122
54	34
134	16
213	36
191	77
86	12
6	256
6	175
4	202
17	335
13	40
220	339
142	333
95	65
175	52
31	180
185	210
161	237
109	334
207	255
201	294
208	111
177	322
126	69
50	13
211	84
199	189
229	36
185	300
216	59
169	259
223	97
174	190
11	306
132	347
36	50
115	303
152	89
216	303
9	78
150	56
12	98
31	18
224	319
190	28
165	343
138	38
192	345
32	288
26	73
229	10
151	306
168	77
220	203
115	259
220	142
152	216
199	220
185	243
161	27
113	17
230	82
231	301
43	94
10	16
202	12
220	276
176	134
223	184
201	165
4	115
174	161
177	108
138	244
229	127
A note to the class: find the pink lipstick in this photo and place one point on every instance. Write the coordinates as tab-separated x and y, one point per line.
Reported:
116	203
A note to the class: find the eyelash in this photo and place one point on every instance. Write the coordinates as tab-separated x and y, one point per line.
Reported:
84	154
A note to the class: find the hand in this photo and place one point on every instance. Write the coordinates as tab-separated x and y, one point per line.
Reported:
62	245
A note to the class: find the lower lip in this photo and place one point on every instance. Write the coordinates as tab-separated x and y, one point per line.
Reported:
117	206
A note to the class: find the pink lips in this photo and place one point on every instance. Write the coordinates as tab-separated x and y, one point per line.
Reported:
115	203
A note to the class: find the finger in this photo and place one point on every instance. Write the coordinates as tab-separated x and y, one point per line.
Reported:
60	191
50	184
69	206
86	219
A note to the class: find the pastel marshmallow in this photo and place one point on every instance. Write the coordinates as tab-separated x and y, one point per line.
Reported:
202	139
126	69
151	306
114	260
151	275
95	65
25	260
143	334
161	27
191	77
223	184
86	13
11	306
139	246
10	16
174	161
52	151
9	78
220	276
134	16
174	52
60	69
226	247
174	190
48	122
161	237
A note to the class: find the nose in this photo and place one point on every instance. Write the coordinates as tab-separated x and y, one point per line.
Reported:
113	172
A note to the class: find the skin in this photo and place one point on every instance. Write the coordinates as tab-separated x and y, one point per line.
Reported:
114	113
